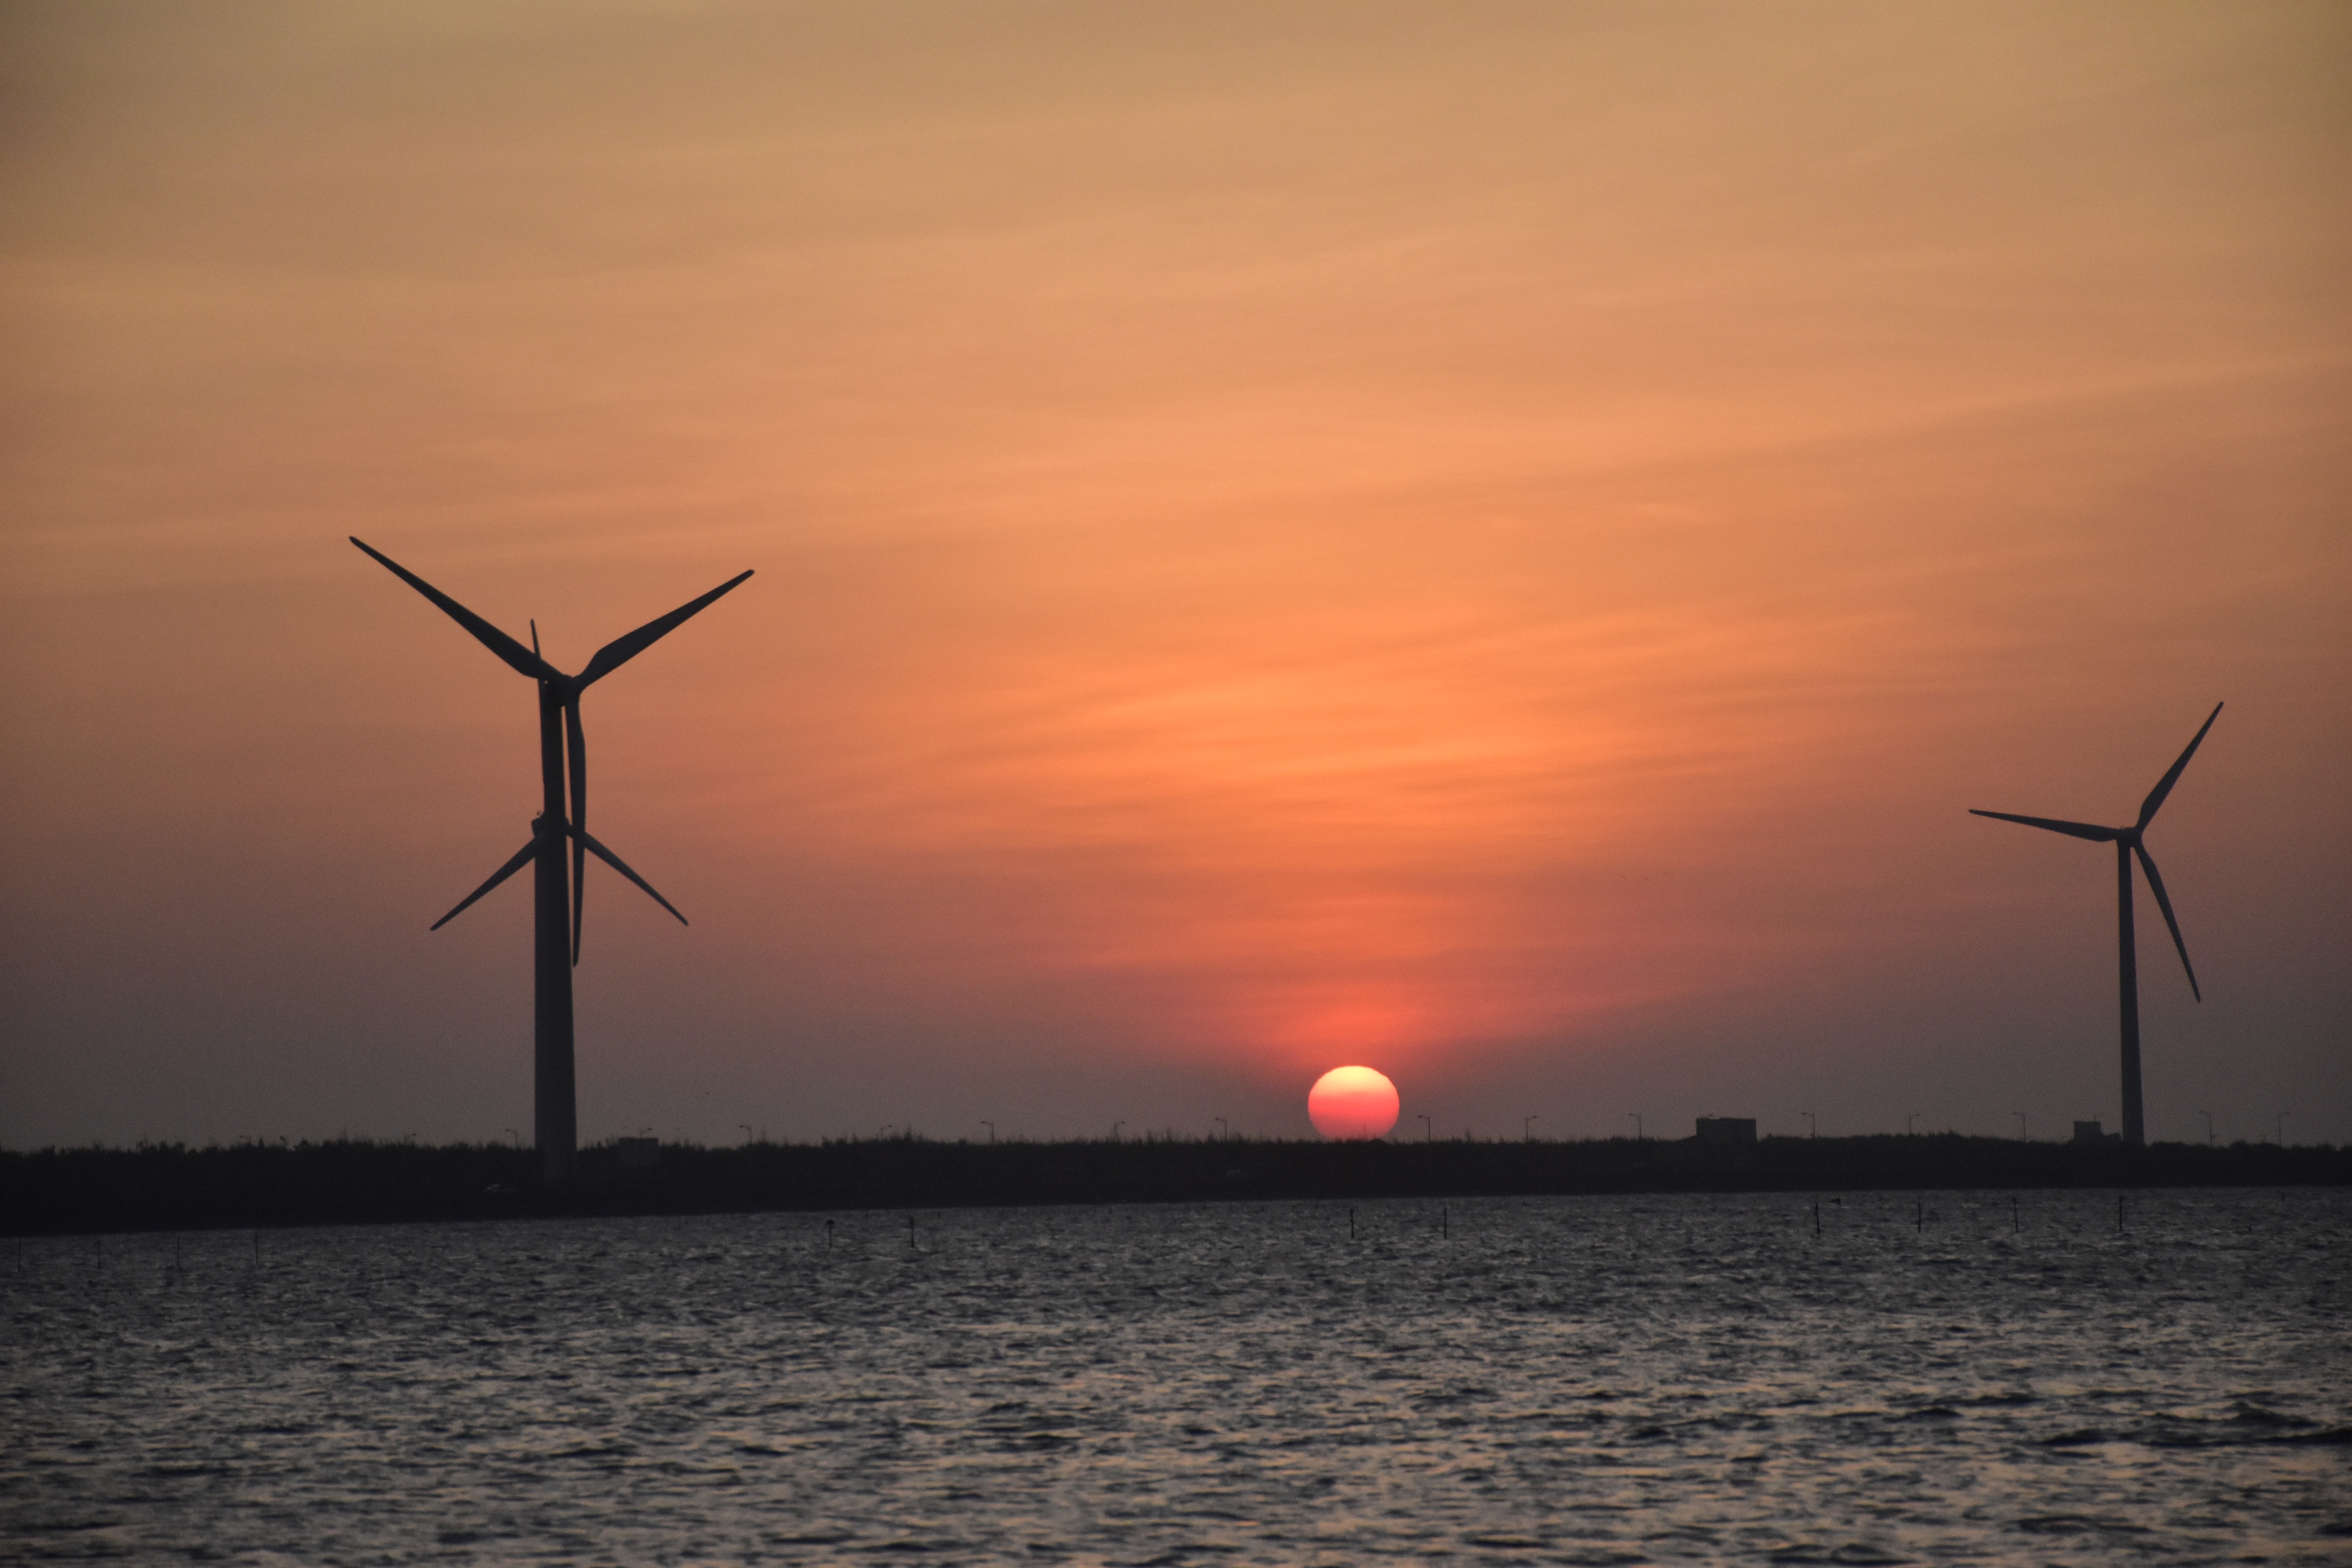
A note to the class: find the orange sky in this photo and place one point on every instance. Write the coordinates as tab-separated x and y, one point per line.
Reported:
1498	541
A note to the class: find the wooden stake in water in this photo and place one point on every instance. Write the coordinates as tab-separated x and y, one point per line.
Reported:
1444	1222
828	1233
1817	1216
2016	1225
1920	1221
1351	1224
2119	1217
910	1230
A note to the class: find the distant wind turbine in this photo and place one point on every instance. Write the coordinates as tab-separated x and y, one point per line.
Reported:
2128	843
555	1120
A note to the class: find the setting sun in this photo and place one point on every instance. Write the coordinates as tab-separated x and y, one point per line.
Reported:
1352	1102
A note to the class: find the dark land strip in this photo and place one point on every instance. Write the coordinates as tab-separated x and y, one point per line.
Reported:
157	1187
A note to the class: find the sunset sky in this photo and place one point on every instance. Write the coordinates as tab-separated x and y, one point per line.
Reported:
1495	542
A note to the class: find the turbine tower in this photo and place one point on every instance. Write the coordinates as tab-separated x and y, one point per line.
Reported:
562	750
2128	842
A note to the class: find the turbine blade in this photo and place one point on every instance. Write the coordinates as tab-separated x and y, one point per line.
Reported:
620	650
523	859
2164	785
2073	829
615	861
576	746
523	661
2156	886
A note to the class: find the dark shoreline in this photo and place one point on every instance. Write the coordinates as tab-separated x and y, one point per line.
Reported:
159	1187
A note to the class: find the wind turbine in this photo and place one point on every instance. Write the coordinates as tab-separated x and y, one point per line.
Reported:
562	748
2128	842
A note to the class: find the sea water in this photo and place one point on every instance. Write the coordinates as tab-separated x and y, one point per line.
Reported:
1958	1377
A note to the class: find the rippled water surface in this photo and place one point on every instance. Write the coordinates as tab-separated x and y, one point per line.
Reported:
1568	1380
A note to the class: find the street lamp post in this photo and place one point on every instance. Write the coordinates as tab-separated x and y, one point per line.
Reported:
984	1121
1812	1126
1425	1131
2209	1127
1911	1125
2020	1124
1635	1118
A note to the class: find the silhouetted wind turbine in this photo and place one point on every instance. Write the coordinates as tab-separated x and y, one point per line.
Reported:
555	1121
2128	843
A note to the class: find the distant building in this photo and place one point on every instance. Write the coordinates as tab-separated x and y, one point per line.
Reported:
639	1152
1727	1130
2088	1133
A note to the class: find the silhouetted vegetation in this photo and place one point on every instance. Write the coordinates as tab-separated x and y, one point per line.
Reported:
172	1187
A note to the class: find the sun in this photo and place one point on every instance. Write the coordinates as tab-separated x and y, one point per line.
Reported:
1352	1102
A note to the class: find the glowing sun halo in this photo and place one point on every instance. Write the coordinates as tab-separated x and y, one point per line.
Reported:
1352	1102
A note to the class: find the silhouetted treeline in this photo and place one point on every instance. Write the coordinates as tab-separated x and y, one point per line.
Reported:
172	1187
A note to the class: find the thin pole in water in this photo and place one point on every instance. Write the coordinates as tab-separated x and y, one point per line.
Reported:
910	1230
828	1233
1352	1223
1444	1222
2119	1217
2016	1225
1817	1216
1920	1221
